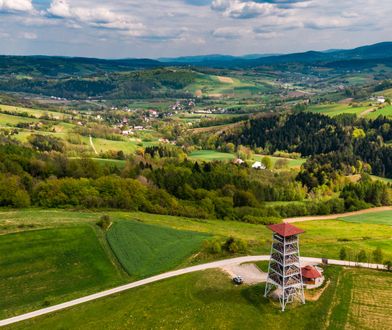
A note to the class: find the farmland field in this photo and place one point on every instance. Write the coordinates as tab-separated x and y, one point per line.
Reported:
42	267
145	250
335	109
34	112
209	300
385	111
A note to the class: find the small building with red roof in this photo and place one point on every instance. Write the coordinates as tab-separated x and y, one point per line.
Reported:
312	276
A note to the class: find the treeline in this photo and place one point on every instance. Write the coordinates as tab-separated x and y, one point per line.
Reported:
337	146
164	182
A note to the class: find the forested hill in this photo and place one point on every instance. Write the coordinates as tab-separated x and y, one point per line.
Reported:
341	145
58	66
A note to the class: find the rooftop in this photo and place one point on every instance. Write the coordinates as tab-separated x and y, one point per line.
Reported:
285	229
310	272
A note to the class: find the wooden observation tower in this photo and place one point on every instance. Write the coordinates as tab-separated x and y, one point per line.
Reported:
284	270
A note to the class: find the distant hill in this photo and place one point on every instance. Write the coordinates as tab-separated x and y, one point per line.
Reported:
55	66
211	58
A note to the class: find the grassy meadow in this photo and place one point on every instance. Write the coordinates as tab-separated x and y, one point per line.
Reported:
59	255
335	109
354	299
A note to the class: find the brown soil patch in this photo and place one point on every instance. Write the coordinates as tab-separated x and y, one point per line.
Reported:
314	295
226	80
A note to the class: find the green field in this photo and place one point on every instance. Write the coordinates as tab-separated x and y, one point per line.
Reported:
144	250
383	218
34	112
43	267
335	109
354	299
385	111
212	155
59	255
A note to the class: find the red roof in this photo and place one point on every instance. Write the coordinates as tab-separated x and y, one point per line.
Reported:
285	229
310	272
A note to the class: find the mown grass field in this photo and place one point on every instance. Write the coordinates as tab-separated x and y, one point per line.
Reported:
59	254
335	109
34	112
213	155
42	267
385	111
144	250
208	300
383	218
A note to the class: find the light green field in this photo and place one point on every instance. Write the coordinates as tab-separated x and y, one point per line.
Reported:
34	112
8	120
43	267
335	109
386	111
144	250
379	178
212	155
73	247
383	218
354	299
216	86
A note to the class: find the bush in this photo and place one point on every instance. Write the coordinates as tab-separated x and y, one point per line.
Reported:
104	222
261	220
235	245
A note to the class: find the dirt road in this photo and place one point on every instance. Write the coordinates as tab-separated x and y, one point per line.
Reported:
337	216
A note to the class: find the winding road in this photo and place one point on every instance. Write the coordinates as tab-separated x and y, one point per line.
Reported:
211	265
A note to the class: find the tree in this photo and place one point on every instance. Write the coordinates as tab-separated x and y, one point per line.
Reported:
388	265
378	256
104	222
362	257
267	162
343	254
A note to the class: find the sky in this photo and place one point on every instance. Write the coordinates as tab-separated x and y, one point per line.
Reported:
167	28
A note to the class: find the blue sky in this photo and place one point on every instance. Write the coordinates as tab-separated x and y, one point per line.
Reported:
157	28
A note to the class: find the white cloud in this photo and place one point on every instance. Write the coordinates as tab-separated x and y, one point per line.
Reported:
29	35
16	5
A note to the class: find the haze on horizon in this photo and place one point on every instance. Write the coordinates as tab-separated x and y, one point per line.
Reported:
154	28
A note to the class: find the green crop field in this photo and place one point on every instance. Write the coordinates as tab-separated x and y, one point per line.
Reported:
43	267
335	109
144	250
354	299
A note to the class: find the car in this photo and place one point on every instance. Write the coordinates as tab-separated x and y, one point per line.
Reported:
238	280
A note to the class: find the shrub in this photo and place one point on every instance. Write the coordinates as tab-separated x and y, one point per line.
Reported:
261	220
104	222
235	245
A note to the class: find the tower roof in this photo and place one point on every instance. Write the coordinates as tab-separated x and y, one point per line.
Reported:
310	272
285	229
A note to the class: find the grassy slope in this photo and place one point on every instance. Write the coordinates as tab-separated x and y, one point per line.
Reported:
335	109
42	267
144	250
208	300
383	218
34	112
211	155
